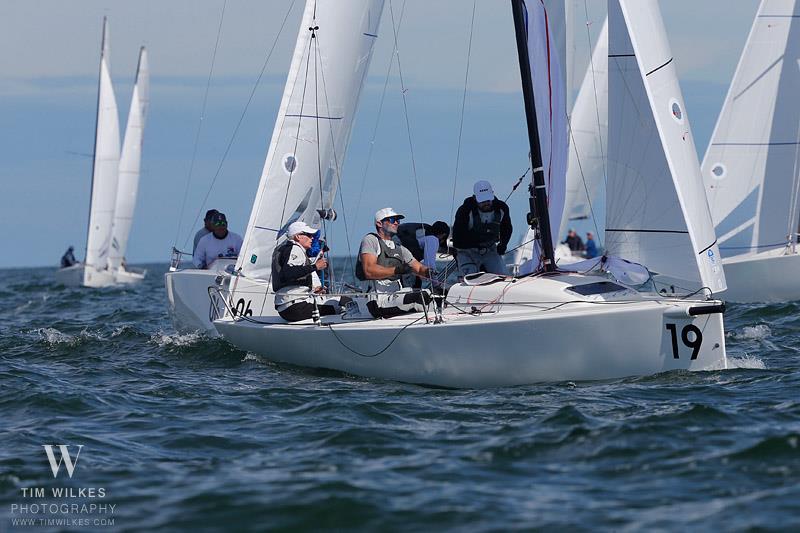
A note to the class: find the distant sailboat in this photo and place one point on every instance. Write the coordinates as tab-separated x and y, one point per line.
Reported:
129	170
752	166
95	271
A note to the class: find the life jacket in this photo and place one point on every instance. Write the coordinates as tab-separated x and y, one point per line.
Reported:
486	233
388	257
280	258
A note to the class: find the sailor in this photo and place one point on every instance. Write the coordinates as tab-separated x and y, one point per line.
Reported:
206	229
68	259
217	244
382	262
481	231
424	241
591	246
574	241
295	263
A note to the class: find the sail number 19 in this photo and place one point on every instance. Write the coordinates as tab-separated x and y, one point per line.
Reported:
693	343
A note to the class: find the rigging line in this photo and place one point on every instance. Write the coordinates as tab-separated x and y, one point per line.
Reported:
378	118
241	117
200	124
463	105
594	87
403	91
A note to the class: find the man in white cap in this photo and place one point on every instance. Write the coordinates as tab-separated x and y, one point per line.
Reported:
298	290
382	262
481	231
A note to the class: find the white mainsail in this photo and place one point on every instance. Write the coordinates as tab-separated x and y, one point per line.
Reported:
586	169
106	165
129	163
751	165
304	162
657	214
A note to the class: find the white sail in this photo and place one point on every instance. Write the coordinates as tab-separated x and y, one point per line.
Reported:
309	142
657	214
129	163
586	169
547	58
751	165
106	165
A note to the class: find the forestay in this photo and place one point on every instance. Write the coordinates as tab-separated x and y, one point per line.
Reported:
106	165
304	162
129	163
586	169
751	166
657	214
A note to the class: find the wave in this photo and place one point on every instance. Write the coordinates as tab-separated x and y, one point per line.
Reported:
758	332
164	340
746	362
54	337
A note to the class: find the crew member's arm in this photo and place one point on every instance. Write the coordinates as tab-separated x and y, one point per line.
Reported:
372	270
461	234
199	257
418	268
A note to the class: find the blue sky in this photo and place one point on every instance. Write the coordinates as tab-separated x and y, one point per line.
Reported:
48	96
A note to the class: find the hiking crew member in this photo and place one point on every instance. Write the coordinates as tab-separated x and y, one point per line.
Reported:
217	244
295	263
481	231
424	241
382	263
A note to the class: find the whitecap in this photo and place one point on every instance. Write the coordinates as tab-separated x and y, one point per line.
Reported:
758	332
175	339
53	336
746	361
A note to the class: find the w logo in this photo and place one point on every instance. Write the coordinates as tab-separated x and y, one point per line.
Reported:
65	458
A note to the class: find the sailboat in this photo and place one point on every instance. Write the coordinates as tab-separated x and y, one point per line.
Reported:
129	170
323	87
95	271
752	165
551	325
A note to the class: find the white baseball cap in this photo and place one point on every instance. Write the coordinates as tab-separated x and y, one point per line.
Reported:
483	191
387	212
295	228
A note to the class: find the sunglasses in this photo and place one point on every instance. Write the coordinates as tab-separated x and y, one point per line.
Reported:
392	220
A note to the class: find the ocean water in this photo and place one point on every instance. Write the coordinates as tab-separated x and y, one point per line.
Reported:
184	433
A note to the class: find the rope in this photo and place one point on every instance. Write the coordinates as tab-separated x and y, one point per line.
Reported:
200	124
241	116
463	105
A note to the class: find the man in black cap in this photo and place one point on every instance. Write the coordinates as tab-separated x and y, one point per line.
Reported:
220	243
206	229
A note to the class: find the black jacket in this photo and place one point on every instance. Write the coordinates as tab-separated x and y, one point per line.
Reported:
463	238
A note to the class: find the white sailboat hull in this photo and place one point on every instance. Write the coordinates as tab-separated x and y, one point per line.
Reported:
772	276
188	299
513	345
80	275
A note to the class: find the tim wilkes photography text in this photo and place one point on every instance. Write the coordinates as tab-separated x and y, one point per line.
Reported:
61	504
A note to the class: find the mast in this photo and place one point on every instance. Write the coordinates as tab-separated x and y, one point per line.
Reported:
538	217
96	126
